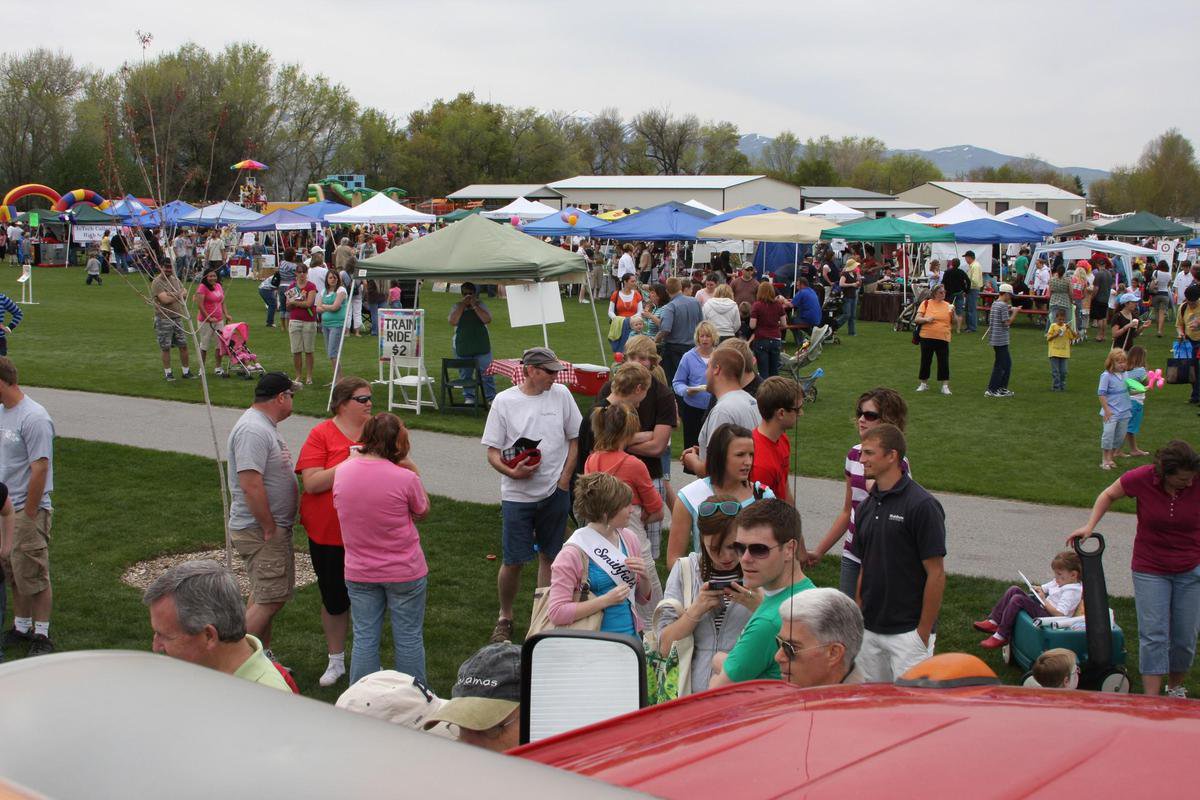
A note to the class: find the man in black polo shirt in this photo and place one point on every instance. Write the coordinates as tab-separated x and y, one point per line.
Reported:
902	540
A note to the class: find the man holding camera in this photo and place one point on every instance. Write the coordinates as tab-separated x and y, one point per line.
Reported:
470	318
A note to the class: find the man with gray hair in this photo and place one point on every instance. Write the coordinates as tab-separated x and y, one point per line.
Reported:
197	615
821	635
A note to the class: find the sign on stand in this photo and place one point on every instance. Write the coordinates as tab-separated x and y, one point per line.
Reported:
402	348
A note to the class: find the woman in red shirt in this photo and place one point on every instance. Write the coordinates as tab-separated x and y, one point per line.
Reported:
1166	561
328	445
766	317
614	428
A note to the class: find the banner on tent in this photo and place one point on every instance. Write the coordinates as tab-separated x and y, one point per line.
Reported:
401	333
86	234
1168	248
534	304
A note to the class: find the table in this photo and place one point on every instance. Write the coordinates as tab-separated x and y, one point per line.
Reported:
879	306
578	380
987	298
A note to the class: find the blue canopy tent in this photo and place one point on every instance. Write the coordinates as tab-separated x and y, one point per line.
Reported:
781	258
757	208
320	210
128	206
167	216
218	214
559	225
1033	223
1193	243
281	220
990	231
665	223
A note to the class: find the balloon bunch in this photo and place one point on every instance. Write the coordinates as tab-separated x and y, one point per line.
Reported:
1154	380
570	219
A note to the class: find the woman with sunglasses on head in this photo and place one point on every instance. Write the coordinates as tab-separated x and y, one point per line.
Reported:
717	613
877	406
730	458
327	446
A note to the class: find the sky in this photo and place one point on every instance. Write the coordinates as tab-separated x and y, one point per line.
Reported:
1076	83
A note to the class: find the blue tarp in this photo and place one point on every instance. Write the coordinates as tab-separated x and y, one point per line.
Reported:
321	210
1034	223
665	223
281	220
774	257
990	231
757	208
1193	243
168	215
557	224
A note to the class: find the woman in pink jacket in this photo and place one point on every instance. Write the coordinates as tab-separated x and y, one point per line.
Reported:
603	555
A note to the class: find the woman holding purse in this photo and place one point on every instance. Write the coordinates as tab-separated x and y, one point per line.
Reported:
936	318
604	556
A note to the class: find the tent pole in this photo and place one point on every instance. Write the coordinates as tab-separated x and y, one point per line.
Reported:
337	362
596	318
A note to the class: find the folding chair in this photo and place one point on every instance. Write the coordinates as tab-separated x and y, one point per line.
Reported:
451	380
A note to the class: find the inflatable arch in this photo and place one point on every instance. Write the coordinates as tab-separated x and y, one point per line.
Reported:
7	209
80	196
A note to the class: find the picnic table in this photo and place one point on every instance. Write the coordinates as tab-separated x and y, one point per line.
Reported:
1036	313
587	380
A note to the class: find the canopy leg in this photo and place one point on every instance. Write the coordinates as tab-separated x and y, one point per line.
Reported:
596	318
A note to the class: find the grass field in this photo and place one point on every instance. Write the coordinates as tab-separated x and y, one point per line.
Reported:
95	538
1038	446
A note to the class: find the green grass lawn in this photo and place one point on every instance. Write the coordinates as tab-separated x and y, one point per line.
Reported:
1039	446
95	539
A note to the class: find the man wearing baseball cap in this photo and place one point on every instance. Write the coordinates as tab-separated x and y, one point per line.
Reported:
1000	320
486	699
398	698
264	500
533	490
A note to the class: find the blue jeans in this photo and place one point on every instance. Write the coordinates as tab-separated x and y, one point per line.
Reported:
972	309
766	353
373	309
405	602
483	361
959	301
1058	373
269	297
1168	615
1001	368
849	312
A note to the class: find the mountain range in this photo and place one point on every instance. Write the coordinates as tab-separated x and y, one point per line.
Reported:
952	161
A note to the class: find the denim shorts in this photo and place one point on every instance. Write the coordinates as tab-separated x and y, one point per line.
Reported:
1113	433
533	528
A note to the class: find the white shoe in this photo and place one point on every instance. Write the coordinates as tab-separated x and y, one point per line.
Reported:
333	673
946	389
922	386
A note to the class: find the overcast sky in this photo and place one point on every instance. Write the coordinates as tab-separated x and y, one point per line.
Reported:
1078	83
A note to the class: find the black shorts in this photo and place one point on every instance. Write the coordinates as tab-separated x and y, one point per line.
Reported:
3	345
1099	310
329	562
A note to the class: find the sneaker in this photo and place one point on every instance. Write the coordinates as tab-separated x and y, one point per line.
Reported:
986	626
502	632
946	390
220	373
1007	393
13	637
993	643
170	376
189	376
1179	692
990	393
333	673
40	645
922	386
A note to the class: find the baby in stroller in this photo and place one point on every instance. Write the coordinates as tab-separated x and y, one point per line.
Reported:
234	342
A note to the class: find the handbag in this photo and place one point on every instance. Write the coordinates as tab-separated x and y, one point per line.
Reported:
616	327
917	328
539	620
670	677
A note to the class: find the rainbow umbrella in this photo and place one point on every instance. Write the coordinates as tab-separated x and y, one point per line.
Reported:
249	163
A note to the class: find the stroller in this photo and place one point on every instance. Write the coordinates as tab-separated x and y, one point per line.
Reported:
234	342
809	352
904	322
831	313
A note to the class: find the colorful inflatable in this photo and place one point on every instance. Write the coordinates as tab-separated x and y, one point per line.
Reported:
8	211
80	196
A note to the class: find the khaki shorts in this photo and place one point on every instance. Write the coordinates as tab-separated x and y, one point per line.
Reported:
1160	300
208	335
271	566
29	565
303	336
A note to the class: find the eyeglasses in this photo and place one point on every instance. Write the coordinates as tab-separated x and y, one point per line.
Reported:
361	398
729	508
755	550
790	650
869	416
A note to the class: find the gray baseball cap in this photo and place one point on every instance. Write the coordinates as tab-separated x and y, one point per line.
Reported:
487	691
541	357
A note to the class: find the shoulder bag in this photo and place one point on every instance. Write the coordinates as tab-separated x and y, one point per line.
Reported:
917	328
670	677
539	620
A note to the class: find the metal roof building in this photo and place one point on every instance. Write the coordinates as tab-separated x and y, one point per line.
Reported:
995	198
722	192
495	195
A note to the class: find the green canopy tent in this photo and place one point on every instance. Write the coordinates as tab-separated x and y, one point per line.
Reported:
477	249
1143	223
889	230
460	213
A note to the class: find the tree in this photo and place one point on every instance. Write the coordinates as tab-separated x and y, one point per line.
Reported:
717	151
664	140
457	142
1172	180
781	157
609	147
845	154
374	148
814	171
906	170
37	93
317	126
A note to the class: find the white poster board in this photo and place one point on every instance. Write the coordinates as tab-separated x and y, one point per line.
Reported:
534	304
944	251
401	333
1167	248
86	234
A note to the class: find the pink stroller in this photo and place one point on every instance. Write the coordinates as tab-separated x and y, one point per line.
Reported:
234	344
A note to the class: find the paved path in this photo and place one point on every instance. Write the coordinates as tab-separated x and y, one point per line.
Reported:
987	536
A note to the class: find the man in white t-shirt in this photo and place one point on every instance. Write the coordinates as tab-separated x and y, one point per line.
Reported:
1188	274
534	478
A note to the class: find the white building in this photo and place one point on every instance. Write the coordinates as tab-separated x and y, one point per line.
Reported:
495	195
994	198
722	192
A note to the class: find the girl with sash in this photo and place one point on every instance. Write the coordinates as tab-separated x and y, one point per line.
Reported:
604	556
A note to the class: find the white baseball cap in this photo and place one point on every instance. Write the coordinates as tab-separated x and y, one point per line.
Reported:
397	698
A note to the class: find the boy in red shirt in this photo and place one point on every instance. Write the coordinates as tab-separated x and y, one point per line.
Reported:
780	402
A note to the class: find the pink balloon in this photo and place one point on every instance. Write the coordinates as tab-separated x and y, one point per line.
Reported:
565	217
514	220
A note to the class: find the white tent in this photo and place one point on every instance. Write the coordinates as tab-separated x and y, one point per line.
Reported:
1021	211
1083	248
694	203
963	212
523	209
834	211
222	213
914	218
380	209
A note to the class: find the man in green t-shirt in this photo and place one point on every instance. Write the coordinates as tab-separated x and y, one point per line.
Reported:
1021	265
470	318
767	539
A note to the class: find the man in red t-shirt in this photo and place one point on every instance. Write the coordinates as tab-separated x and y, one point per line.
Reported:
780	402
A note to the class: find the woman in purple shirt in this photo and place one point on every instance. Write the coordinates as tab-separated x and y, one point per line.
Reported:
1166	561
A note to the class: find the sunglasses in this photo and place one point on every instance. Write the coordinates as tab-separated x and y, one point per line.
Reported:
869	416
756	550
361	398
729	508
790	650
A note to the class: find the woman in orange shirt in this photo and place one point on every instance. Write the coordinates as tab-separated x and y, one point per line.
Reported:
625	304
935	316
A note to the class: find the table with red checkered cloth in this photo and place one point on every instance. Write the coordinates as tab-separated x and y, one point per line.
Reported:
511	368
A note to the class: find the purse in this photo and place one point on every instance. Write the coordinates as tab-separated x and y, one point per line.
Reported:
917	328
616	327
539	619
669	677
